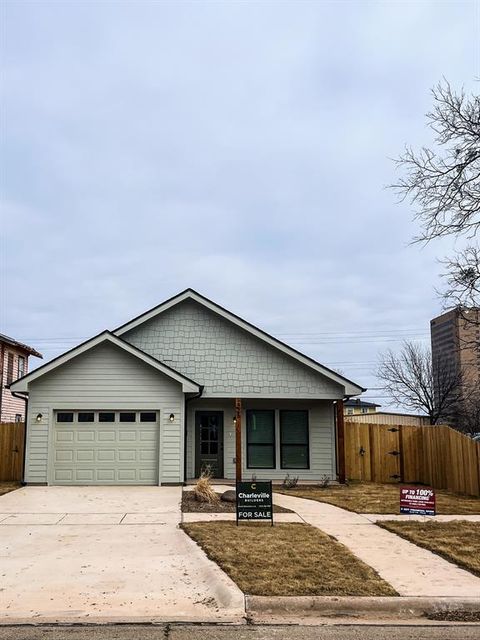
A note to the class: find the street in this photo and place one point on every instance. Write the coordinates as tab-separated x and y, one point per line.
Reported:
219	632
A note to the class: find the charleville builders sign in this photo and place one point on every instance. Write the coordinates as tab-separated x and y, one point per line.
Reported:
254	501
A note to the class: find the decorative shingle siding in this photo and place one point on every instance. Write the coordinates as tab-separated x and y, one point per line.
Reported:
226	359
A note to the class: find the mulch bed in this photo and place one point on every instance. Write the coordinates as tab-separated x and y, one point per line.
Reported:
189	505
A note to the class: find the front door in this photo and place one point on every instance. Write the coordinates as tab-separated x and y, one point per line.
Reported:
209	442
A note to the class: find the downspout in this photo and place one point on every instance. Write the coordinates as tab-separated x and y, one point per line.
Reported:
185	420
25	399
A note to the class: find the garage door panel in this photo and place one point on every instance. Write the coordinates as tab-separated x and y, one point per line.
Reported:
85	455
95	453
106	475
106	455
64	455
85	436
106	436
64	436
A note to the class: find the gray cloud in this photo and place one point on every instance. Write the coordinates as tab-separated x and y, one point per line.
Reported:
239	148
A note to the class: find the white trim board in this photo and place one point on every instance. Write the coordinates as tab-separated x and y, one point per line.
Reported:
188	386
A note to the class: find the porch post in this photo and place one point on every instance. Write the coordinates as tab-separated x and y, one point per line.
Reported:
340	441
238	439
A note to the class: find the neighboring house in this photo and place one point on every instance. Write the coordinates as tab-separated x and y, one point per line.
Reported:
13	365
355	406
386	417
153	402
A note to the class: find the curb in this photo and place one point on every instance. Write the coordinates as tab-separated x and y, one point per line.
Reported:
350	606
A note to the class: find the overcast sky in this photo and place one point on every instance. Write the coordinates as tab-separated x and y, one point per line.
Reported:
238	148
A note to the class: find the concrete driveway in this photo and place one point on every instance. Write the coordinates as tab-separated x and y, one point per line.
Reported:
106	554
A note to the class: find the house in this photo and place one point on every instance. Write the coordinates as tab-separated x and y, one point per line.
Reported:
13	364
355	406
388	417
161	397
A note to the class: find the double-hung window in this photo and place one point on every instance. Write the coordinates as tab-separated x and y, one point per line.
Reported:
21	367
260	439
294	446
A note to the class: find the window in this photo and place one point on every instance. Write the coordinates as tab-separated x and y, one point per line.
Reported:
106	416
294	452
65	416
21	366
18	417
127	416
260	439
9	368
350	412
364	409
148	416
84	416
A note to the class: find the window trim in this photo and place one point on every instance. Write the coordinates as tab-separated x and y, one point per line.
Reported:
24	367
307	445
273	444
10	366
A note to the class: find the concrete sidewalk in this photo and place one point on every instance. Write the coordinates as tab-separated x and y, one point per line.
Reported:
411	570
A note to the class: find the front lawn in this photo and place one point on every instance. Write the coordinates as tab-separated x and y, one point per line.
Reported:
191	505
286	560
6	487
380	498
457	541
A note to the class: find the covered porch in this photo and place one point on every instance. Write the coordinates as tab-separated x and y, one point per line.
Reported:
278	437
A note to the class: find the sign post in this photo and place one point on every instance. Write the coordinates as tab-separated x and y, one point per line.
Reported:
419	501
254	501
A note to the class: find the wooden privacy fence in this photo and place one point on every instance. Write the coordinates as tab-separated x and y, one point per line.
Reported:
434	455
12	442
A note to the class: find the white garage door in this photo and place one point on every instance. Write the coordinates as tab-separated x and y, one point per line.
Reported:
105	447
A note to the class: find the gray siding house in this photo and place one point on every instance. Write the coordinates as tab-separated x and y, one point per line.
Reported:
153	402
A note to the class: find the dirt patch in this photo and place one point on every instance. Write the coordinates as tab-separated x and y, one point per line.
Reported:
380	498
457	541
6	487
456	615
286	560
190	505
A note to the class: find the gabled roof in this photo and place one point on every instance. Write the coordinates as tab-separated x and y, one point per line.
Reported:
351	389
106	336
20	345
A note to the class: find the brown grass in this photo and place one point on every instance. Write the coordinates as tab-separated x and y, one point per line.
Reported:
286	560
380	498
6	487
457	541
191	505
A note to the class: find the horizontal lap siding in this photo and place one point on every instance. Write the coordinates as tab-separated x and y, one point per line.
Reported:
105	378
322	437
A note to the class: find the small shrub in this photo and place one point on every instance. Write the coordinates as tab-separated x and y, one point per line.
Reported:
203	490
289	483
324	481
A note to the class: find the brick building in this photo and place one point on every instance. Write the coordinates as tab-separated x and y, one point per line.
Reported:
13	365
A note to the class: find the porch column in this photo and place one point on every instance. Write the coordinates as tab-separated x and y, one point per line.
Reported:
238	439
340	441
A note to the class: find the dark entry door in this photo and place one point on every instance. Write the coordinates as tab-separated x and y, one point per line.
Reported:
209	442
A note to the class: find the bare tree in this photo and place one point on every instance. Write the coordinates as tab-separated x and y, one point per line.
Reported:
413	381
469	414
443	184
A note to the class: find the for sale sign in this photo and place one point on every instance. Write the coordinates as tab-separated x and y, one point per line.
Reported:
254	501
418	501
